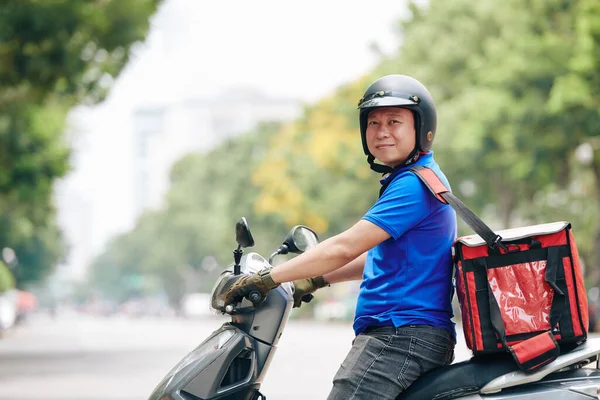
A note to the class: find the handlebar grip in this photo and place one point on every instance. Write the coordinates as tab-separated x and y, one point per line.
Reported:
255	296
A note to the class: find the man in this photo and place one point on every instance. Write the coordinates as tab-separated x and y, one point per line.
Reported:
400	249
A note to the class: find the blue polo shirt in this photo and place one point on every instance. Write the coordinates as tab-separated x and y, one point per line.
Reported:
407	279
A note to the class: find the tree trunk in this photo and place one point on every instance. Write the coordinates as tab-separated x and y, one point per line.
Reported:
506	206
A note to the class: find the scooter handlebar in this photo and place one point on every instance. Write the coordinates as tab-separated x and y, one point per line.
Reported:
255	297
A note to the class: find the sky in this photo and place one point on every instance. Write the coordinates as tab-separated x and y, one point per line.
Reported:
301	50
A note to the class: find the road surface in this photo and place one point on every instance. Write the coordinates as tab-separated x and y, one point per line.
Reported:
116	358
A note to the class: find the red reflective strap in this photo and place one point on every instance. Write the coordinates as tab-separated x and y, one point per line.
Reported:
475	311
579	284
434	182
464	307
534	347
577	331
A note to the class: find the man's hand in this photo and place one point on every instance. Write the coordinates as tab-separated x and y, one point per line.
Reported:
260	282
307	286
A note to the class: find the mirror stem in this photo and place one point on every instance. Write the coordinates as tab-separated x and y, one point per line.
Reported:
283	249
237	256
272	257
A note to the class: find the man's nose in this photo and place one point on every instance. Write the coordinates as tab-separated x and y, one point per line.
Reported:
382	132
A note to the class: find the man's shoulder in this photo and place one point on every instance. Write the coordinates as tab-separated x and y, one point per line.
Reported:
407	182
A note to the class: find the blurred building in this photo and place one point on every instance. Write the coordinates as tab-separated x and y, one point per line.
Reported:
75	217
164	134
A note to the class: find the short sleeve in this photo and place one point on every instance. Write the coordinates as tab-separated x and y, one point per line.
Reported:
403	205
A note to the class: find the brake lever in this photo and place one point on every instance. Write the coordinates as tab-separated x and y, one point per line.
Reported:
307	298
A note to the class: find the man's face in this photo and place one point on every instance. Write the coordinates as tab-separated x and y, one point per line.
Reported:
391	134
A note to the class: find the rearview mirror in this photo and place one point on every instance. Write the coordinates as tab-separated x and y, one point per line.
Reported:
242	234
300	239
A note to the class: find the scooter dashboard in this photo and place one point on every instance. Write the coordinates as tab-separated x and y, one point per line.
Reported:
253	263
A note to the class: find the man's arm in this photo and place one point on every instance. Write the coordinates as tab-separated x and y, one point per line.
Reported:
331	254
353	271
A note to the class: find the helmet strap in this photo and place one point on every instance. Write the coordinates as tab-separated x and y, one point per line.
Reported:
412	157
384	169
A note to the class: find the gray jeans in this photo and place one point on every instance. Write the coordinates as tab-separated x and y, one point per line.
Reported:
384	361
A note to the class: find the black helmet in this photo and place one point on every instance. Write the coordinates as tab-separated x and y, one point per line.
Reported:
406	92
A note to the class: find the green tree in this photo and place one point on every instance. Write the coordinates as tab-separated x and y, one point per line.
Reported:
491	70
7	279
495	71
575	97
516	86
53	56
177	244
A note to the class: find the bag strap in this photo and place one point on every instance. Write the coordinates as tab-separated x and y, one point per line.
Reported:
443	194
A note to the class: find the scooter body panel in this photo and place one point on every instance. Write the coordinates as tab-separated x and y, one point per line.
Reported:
228	362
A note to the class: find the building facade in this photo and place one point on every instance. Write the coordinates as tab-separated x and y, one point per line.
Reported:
162	135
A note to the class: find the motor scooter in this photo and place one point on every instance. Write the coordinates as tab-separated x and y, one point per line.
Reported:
232	362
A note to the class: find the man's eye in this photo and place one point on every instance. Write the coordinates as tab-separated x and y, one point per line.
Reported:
394	121
372	123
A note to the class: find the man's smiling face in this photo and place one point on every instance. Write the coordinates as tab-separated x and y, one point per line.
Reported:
391	134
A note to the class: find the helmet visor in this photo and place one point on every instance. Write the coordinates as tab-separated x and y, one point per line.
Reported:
386	101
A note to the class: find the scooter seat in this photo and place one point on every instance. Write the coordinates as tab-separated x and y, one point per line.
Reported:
459	379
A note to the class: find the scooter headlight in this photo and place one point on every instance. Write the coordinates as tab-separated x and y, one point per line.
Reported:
211	345
217	302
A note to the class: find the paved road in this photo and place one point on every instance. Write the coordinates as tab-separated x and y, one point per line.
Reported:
84	358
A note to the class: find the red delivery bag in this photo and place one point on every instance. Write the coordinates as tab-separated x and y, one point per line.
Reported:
520	290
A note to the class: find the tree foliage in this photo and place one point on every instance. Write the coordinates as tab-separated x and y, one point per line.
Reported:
7	279
517	87
53	56
497	76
